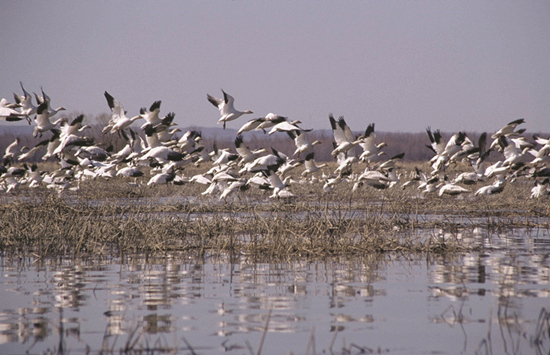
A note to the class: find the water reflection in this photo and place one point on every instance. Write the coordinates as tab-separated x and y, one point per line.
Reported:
398	303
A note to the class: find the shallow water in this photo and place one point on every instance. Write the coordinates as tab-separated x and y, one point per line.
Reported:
485	302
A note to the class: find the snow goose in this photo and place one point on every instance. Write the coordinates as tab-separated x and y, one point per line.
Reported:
511	151
390	163
225	158
34	176
302	143
93	152
496	188
452	189
251	125
42	120
70	142
469	150
152	116
129	171
270	120
233	187
245	153
287	166
286	126
508	129
310	166
118	121
46	99
32	153
162	154
162	178
279	187
373	178
454	144
73	127
414	178
344	138
370	148
11	152
540	189
331	182
53	144
226	107
261	163
189	140
202	155
25	103
8	114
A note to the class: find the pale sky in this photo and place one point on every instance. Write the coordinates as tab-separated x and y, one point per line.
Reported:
404	65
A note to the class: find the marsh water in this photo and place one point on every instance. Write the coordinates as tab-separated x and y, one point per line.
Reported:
492	301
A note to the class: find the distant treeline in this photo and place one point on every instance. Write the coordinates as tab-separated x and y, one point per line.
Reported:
412	144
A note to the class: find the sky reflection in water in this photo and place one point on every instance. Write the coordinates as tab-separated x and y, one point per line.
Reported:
410	304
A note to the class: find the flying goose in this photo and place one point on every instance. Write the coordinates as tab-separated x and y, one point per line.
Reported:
344	138
118	121
42	120
226	107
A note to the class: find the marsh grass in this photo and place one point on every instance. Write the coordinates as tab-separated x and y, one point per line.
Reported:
116	216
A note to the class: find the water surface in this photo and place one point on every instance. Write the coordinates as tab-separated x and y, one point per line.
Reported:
484	302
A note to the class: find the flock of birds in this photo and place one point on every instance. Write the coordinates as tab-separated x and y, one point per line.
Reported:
156	144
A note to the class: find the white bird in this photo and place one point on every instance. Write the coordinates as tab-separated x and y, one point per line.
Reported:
227	108
162	154
52	145
511	151
11	152
129	171
263	162
73	127
279	187
251	125
189	140
344	138
540	189
42	120
233	187
245	153
25	102
452	189
303	145
310	166
390	163
118	121
270	120
333	181
70	142
151	117
34	175
370	148
286	126
225	157
373	178
508	129
162	178
495	188
8	114
46	99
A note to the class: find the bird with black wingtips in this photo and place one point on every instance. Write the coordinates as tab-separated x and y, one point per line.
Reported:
343	136
226	106
119	121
